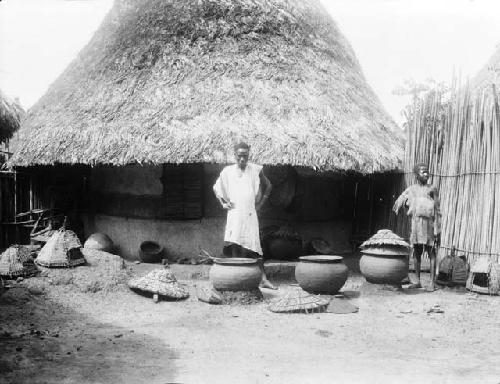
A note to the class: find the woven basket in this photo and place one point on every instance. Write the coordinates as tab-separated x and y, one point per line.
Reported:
453	270
385	237
62	250
16	261
159	282
299	302
484	276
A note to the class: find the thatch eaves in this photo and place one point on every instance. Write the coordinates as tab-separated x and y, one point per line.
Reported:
10	117
180	81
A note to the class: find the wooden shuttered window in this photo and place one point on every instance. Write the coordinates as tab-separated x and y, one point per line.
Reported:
183	191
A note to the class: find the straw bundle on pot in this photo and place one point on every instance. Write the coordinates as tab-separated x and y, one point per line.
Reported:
181	81
385	237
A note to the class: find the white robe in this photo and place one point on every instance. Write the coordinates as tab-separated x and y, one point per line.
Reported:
242	189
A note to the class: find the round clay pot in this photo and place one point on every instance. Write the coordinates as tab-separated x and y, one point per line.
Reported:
380	268
99	241
284	249
235	274
321	273
150	252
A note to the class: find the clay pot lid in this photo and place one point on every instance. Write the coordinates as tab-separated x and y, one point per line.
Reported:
385	237
321	259
234	261
299	301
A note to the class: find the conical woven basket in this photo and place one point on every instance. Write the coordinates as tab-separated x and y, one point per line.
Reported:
160	282
299	302
63	249
16	261
452	271
385	237
484	276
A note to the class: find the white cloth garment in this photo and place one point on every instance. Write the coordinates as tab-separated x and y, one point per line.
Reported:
241	187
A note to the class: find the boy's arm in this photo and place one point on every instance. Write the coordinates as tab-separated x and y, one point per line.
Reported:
437	211
401	200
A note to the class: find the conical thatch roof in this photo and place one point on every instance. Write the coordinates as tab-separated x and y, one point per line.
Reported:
10	117
181	81
489	74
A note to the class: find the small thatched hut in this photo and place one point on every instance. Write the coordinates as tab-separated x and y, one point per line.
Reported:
10	117
153	104
489	73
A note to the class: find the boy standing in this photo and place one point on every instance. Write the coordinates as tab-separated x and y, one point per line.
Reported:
422	201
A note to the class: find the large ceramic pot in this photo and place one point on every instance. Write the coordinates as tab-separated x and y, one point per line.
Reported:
235	274
384	265
321	273
99	241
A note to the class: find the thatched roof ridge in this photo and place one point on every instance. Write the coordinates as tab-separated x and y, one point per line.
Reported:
10	117
180	81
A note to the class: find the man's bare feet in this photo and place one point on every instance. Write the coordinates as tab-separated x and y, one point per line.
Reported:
267	284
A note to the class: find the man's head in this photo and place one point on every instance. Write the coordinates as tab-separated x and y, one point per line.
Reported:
421	171
241	152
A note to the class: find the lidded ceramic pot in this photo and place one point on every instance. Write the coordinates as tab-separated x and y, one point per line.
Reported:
385	258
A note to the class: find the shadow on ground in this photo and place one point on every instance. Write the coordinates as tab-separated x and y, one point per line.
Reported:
43	342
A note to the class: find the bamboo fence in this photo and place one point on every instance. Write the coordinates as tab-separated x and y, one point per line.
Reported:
460	140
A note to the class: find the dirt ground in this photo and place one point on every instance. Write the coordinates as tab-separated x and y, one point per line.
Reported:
61	333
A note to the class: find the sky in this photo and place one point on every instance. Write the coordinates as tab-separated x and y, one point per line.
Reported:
394	40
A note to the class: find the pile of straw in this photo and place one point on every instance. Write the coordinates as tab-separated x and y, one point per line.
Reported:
182	81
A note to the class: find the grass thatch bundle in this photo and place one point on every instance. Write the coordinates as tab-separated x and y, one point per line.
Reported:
10	117
180	81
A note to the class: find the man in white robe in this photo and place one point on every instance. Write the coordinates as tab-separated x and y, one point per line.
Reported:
238	190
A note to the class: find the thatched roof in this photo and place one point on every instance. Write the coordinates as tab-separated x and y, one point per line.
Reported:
10	117
489	74
180	81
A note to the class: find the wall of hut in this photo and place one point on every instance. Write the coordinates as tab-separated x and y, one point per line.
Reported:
175	206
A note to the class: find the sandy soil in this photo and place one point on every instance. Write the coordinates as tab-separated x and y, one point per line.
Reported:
61	333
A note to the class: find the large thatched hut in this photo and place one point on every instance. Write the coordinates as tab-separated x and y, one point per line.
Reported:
149	110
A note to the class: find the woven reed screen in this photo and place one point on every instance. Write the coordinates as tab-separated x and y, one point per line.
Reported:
459	137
